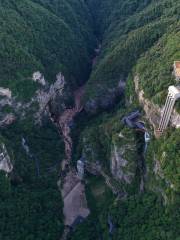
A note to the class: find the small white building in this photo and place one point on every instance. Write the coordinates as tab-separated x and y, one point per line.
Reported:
176	71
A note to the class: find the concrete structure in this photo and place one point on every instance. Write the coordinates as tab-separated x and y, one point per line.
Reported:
173	95
131	120
177	70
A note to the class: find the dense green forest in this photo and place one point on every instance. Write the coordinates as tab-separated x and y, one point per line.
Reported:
136	38
50	37
128	31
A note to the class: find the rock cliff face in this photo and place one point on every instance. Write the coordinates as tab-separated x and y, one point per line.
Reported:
159	151
111	153
123	159
153	111
38	106
175	119
38	77
5	161
5	92
47	96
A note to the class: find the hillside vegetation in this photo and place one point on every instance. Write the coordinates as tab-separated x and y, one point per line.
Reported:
50	37
136	38
129	30
45	36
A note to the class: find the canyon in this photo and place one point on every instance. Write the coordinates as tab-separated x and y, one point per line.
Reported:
70	73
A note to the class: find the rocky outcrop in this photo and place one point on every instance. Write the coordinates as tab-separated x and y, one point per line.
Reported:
158	179
175	119
5	161
38	77
153	111
70	184
118	164
44	97
7	120
5	92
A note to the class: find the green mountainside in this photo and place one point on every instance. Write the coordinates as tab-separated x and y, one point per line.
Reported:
44	35
136	43
50	37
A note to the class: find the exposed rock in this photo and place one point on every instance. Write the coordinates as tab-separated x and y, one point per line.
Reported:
5	102
45	97
7	120
72	189
38	77
26	147
153	111
5	92
118	163
111	225
64	121
80	168
175	119
5	161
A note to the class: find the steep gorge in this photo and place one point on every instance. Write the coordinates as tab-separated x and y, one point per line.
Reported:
130	32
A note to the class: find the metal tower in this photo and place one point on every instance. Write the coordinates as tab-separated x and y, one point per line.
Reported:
173	95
